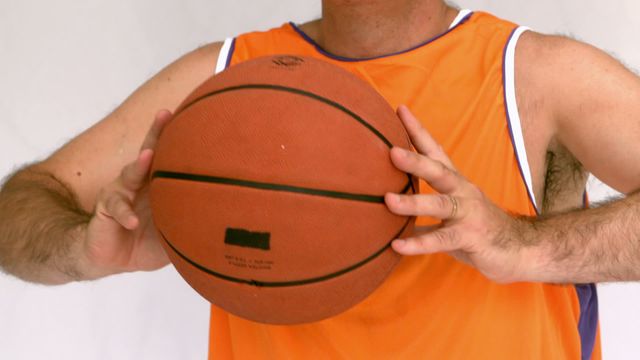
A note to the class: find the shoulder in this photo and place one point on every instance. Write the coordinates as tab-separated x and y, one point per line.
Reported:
203	57
562	78
567	67
585	100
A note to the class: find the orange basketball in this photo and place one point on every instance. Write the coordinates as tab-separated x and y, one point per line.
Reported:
267	188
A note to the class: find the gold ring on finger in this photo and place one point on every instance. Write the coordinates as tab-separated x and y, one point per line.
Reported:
454	207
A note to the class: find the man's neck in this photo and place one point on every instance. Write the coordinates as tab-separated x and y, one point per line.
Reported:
363	29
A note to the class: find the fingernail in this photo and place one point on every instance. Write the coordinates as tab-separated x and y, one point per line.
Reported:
400	151
393	197
399	243
132	222
143	153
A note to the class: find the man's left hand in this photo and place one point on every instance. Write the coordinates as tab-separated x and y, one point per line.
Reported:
472	228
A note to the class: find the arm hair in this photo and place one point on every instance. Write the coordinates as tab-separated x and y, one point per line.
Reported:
40	248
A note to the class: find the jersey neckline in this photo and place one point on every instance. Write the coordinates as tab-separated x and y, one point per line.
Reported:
460	19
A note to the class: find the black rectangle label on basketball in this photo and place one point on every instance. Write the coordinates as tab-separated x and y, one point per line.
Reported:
246	238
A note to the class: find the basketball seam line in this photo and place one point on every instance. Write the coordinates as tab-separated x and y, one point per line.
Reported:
258	283
273	187
302	93
298	92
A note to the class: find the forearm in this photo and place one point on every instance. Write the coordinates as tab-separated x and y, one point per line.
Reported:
591	245
41	225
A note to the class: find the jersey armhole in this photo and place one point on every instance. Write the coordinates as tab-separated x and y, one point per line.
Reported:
226	52
513	115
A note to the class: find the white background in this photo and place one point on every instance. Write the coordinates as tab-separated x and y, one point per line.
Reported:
65	64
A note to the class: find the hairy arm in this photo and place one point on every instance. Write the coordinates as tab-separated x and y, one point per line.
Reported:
594	103
590	245
45	208
40	228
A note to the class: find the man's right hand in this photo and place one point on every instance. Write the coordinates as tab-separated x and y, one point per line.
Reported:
83	212
121	236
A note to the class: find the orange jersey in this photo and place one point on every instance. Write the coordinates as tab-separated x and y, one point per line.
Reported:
461	85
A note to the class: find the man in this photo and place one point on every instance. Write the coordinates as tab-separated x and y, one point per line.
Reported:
558	103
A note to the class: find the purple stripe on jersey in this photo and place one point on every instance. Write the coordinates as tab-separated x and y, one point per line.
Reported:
588	298
347	59
506	108
588	323
230	54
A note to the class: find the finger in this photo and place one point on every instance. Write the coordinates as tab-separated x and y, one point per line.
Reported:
134	175
442	178
444	239
162	118
438	206
421	138
119	207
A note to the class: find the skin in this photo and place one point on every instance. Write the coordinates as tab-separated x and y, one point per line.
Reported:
103	172
83	213
582	106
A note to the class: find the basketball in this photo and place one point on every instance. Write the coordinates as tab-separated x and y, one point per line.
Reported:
267	189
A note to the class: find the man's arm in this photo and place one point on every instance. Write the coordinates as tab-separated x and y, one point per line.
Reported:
595	105
92	183
594	102
594	108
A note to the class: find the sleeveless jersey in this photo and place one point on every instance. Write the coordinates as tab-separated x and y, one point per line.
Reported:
461	85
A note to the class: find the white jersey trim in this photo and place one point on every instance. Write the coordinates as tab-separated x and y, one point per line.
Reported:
513	115
223	57
462	14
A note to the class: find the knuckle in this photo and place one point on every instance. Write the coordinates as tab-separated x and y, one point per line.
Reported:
127	171
446	239
414	158
438	168
407	202
423	243
441	170
116	202
475	192
111	202
473	205
442	201
413	202
121	205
